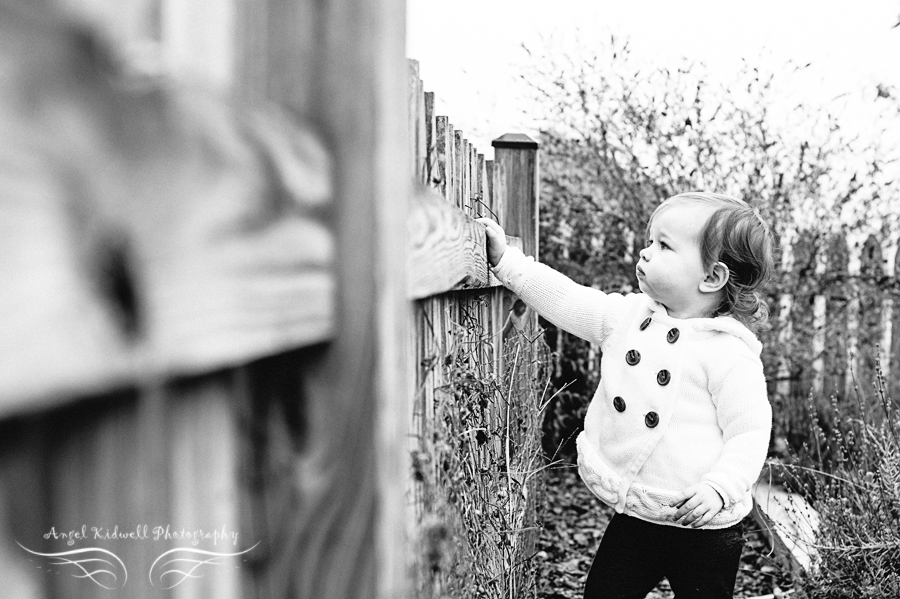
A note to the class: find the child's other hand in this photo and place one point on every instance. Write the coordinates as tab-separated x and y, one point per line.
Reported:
496	240
698	504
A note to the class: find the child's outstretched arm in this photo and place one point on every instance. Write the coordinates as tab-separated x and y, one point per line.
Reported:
583	311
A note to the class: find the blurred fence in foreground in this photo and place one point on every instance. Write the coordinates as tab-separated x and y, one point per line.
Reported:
195	355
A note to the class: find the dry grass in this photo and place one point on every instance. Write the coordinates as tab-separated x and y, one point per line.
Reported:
850	474
479	468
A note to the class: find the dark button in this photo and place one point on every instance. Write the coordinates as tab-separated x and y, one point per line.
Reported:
632	356
619	404
646	323
651	419
663	377
672	335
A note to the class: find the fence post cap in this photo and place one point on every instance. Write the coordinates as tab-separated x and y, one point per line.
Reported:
515	140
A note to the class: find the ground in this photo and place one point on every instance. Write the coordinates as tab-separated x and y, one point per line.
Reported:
574	520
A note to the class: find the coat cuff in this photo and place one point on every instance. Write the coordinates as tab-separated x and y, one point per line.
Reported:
726	504
511	266
720	486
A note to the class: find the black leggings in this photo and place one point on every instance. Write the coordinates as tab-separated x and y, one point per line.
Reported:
635	555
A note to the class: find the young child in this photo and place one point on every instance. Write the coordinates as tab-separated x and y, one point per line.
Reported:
679	426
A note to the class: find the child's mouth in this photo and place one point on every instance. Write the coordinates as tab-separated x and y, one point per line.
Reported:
640	272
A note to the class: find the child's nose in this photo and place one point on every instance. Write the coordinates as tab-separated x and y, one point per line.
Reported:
645	254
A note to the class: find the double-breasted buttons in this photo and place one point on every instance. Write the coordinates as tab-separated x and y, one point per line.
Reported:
672	335
651	419
619	404
646	323
632	356
663	377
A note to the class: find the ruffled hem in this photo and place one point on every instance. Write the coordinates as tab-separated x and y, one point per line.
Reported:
596	474
646	503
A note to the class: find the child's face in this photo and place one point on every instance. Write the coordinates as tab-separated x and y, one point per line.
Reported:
670	269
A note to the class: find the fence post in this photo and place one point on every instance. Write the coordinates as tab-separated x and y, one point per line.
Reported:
837	307
515	186
802	316
516	180
343	515
894	356
870	338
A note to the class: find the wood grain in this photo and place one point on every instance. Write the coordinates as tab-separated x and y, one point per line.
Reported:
342	499
447	250
147	230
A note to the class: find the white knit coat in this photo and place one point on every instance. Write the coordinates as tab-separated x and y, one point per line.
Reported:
680	401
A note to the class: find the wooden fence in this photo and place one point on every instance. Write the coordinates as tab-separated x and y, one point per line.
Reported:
203	320
206	338
478	363
837	314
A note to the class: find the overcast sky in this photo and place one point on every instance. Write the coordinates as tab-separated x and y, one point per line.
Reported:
468	49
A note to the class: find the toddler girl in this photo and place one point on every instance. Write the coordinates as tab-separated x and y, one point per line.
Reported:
679	427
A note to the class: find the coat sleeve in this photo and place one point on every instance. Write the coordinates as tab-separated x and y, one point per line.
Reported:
745	417
582	311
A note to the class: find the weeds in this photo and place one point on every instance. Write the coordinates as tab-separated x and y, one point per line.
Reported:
851	476
478	463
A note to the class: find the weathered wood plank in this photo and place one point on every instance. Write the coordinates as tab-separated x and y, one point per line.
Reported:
459	169
894	355
517	177
446	249
347	539
153	232
24	506
202	463
837	304
870	332
414	118
421	148
430	140
441	170
493	209
800	357
789	522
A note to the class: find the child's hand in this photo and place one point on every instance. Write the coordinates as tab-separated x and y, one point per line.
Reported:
496	240
698	504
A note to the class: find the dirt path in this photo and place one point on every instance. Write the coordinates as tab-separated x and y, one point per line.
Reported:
574	521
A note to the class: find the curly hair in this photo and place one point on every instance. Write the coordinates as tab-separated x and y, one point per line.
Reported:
736	235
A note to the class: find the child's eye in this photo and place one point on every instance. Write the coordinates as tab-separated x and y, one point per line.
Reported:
663	245
648	243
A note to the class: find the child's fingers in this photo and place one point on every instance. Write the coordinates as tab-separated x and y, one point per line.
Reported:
679	499
490	224
704	520
686	508
690	516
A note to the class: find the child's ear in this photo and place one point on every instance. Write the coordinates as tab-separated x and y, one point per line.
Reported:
715	278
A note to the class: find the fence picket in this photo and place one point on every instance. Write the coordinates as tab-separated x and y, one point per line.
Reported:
458	169
430	139
837	296
441	172
870	309
893	373
799	354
